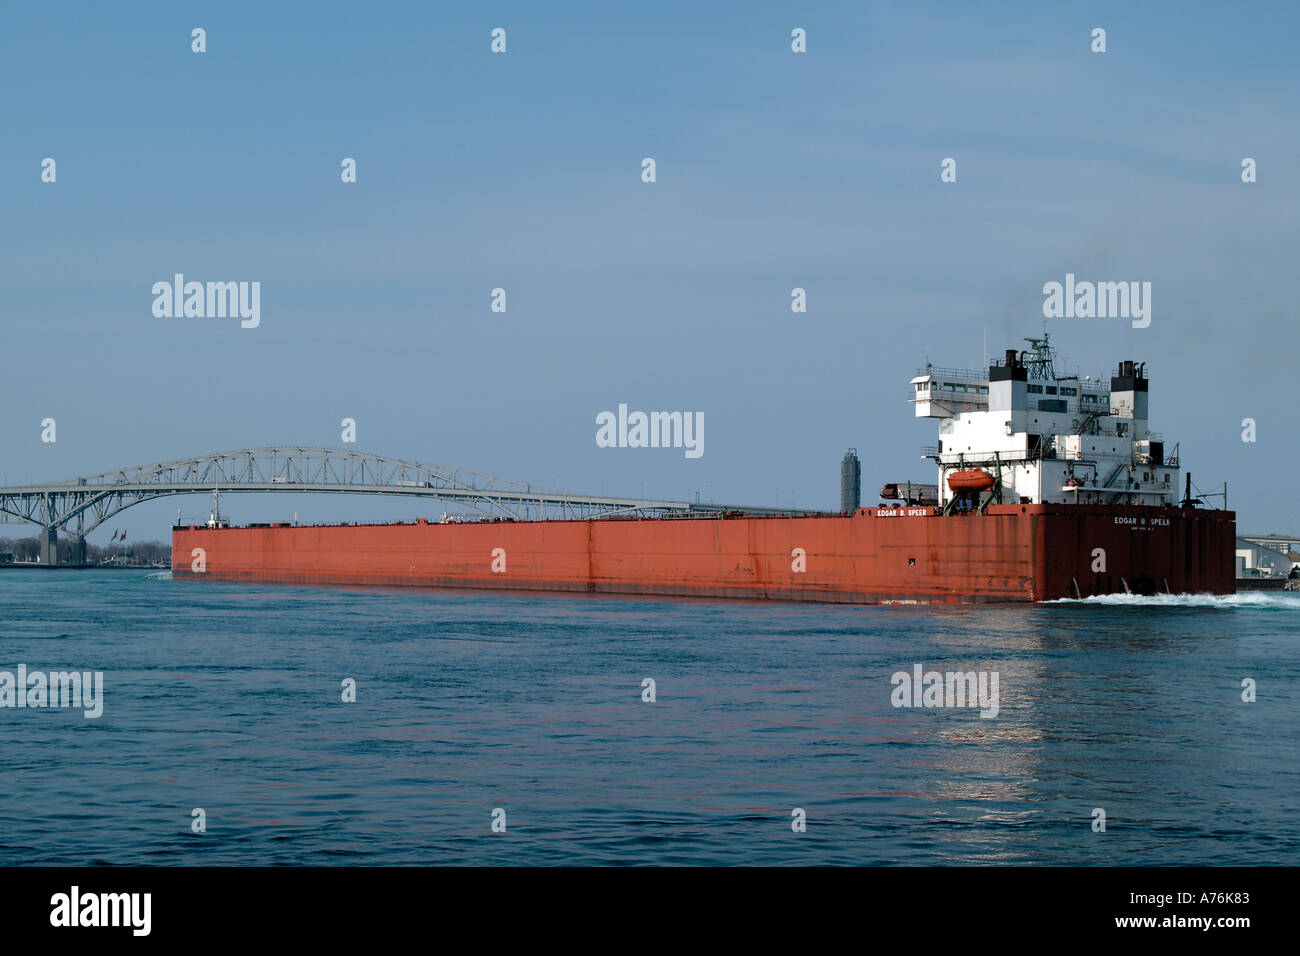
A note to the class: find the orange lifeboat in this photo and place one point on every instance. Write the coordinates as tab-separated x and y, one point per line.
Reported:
970	479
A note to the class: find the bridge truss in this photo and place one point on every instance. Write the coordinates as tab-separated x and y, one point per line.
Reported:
78	506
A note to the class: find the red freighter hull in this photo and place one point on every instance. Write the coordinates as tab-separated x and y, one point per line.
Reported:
903	555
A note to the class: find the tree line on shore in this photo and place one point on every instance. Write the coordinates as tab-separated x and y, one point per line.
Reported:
134	552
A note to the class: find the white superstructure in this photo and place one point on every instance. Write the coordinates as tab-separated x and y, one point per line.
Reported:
1046	438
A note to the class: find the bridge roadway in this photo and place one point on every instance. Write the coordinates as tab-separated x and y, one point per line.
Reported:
80	505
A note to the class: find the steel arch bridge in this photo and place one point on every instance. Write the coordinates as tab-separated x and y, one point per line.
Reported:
78	506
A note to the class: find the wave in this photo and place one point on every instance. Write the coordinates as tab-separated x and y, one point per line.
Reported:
1281	600
158	576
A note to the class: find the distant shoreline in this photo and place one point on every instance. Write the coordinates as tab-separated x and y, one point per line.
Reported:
32	566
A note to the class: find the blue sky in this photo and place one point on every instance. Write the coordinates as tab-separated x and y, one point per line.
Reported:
522	171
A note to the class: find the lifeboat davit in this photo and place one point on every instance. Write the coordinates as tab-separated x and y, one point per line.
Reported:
970	479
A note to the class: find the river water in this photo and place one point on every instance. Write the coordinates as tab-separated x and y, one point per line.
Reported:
528	710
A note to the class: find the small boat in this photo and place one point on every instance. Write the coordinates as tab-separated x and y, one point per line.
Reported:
970	479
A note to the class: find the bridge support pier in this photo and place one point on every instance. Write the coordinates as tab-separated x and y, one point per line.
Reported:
47	544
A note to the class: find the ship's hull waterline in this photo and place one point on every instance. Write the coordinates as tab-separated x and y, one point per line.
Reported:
1011	553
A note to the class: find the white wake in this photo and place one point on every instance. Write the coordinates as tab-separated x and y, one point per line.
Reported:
1279	600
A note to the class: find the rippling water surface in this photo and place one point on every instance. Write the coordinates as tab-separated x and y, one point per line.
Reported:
227	697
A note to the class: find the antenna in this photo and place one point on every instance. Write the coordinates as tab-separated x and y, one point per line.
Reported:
1041	361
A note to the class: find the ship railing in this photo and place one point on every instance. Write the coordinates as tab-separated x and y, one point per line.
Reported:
951	396
961	374
984	458
187	519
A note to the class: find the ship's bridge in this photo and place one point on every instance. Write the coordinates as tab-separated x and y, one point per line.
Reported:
944	392
1043	437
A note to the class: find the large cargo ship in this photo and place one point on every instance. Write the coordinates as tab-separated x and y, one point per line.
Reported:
1049	486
